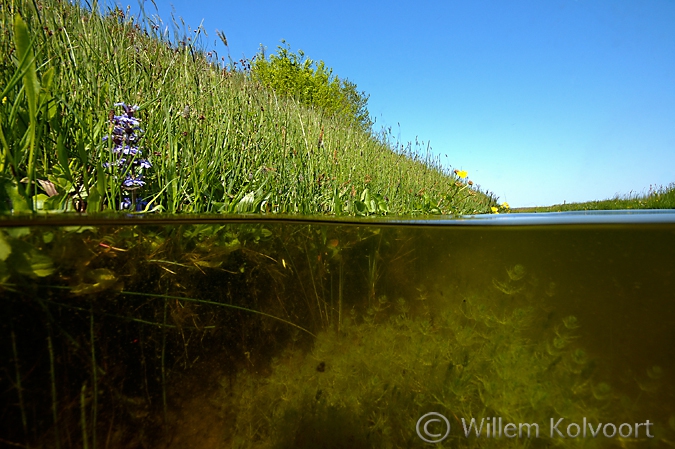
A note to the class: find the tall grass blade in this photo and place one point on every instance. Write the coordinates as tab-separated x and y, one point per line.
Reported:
32	89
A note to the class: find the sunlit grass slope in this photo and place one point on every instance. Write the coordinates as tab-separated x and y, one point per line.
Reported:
217	140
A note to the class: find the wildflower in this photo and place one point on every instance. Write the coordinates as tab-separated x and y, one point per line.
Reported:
495	210
505	205
127	160
126	204
4	100
133	183
461	173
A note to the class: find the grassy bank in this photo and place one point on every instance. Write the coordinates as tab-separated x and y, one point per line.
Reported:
214	139
656	198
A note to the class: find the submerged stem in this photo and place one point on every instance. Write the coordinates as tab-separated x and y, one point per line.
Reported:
214	303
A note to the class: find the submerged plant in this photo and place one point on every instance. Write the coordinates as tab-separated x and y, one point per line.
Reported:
367	385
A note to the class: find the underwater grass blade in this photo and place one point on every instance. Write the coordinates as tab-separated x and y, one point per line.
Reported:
163	362
83	416
214	303
316	293
19	389
94	407
52	375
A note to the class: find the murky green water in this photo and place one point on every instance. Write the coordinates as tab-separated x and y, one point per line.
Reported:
292	334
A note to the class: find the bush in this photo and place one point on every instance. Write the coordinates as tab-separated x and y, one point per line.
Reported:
311	83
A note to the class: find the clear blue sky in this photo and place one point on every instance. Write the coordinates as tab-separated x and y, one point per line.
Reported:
540	101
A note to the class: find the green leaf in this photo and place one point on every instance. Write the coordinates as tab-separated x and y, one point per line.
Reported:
55	202
62	154
103	278
19	203
40	201
35	263
46	96
5	248
24	51
31	84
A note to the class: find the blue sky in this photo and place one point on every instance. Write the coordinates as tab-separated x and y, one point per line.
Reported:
539	101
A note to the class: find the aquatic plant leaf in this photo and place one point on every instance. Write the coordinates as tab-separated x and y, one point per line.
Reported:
17	233
102	275
516	273
5	248
4	273
571	322
78	229
26	259
207	264
41	265
103	278
507	288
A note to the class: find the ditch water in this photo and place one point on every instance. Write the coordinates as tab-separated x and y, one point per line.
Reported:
545	330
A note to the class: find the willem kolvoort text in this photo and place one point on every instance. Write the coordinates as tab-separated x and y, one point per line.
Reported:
560	428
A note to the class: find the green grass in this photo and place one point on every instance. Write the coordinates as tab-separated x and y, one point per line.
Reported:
217	140
656	198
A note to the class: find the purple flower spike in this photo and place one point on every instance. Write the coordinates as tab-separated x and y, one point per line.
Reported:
143	163
133	183
126	155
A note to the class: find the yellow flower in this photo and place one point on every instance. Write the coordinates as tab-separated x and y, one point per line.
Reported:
4	100
494	210
505	205
462	174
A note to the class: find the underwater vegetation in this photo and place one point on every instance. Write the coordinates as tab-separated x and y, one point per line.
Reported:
280	334
103	322
366	385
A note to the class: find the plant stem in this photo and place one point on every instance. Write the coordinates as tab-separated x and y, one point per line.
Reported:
94	408
52	373
19	389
